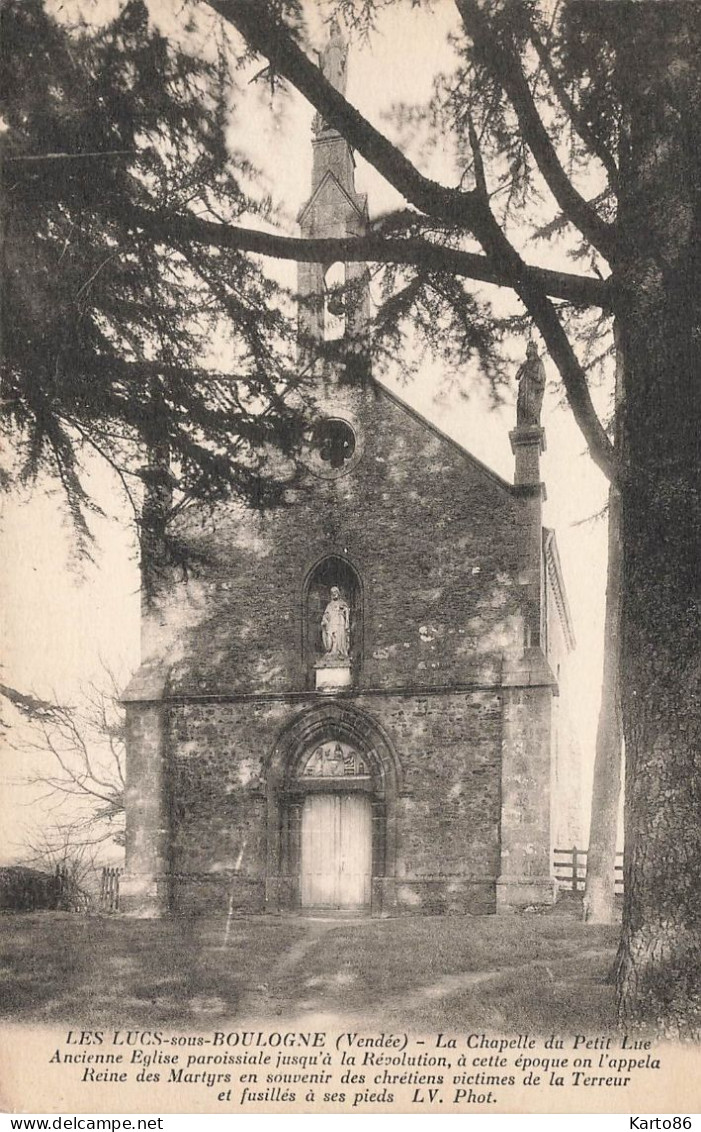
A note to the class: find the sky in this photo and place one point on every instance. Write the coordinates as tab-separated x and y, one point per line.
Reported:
63	621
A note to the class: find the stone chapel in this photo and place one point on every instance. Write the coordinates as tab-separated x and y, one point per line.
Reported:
359	704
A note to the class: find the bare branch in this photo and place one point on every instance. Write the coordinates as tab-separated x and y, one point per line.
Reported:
577	119
264	33
480	178
87	753
543	313
372	248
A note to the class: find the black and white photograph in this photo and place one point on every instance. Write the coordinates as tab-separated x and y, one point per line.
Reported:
351	755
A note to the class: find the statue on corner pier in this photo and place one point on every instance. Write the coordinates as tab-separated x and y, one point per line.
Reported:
335	627
531	387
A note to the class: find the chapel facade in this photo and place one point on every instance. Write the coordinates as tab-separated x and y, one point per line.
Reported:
358	703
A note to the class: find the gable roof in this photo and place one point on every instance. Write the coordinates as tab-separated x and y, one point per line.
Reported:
551	554
359	203
431	427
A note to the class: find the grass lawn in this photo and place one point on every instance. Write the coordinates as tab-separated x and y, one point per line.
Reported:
520	972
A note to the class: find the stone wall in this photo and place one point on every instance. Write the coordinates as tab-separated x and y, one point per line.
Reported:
446	813
444	560
436	541
526	799
144	888
568	816
433	537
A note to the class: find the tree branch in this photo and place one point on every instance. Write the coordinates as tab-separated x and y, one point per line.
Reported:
506	67
269	37
577	119
101	451
543	313
480	177
539	306
371	248
470	210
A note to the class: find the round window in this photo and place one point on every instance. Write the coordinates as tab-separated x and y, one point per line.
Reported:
334	441
333	448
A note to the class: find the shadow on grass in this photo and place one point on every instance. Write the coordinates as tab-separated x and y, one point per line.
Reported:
536	973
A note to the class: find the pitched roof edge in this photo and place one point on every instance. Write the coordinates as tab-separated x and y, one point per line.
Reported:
360	205
149	684
554	568
422	420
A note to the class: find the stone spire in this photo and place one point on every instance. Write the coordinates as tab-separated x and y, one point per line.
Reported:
334	209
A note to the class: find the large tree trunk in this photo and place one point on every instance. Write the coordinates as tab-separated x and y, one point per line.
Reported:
157	498
153	523
659	308
599	891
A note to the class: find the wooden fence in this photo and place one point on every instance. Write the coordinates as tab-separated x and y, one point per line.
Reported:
109	891
571	869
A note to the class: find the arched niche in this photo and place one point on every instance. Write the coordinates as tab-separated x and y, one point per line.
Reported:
331	571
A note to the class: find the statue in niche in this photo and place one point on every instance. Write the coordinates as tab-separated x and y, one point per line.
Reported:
335	627
333	62
531	387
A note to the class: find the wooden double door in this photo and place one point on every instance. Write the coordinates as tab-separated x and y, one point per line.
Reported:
336	851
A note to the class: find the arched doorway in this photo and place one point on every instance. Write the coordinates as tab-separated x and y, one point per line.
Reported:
336	827
332	789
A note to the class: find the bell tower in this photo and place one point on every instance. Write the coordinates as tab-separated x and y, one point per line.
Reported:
333	297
